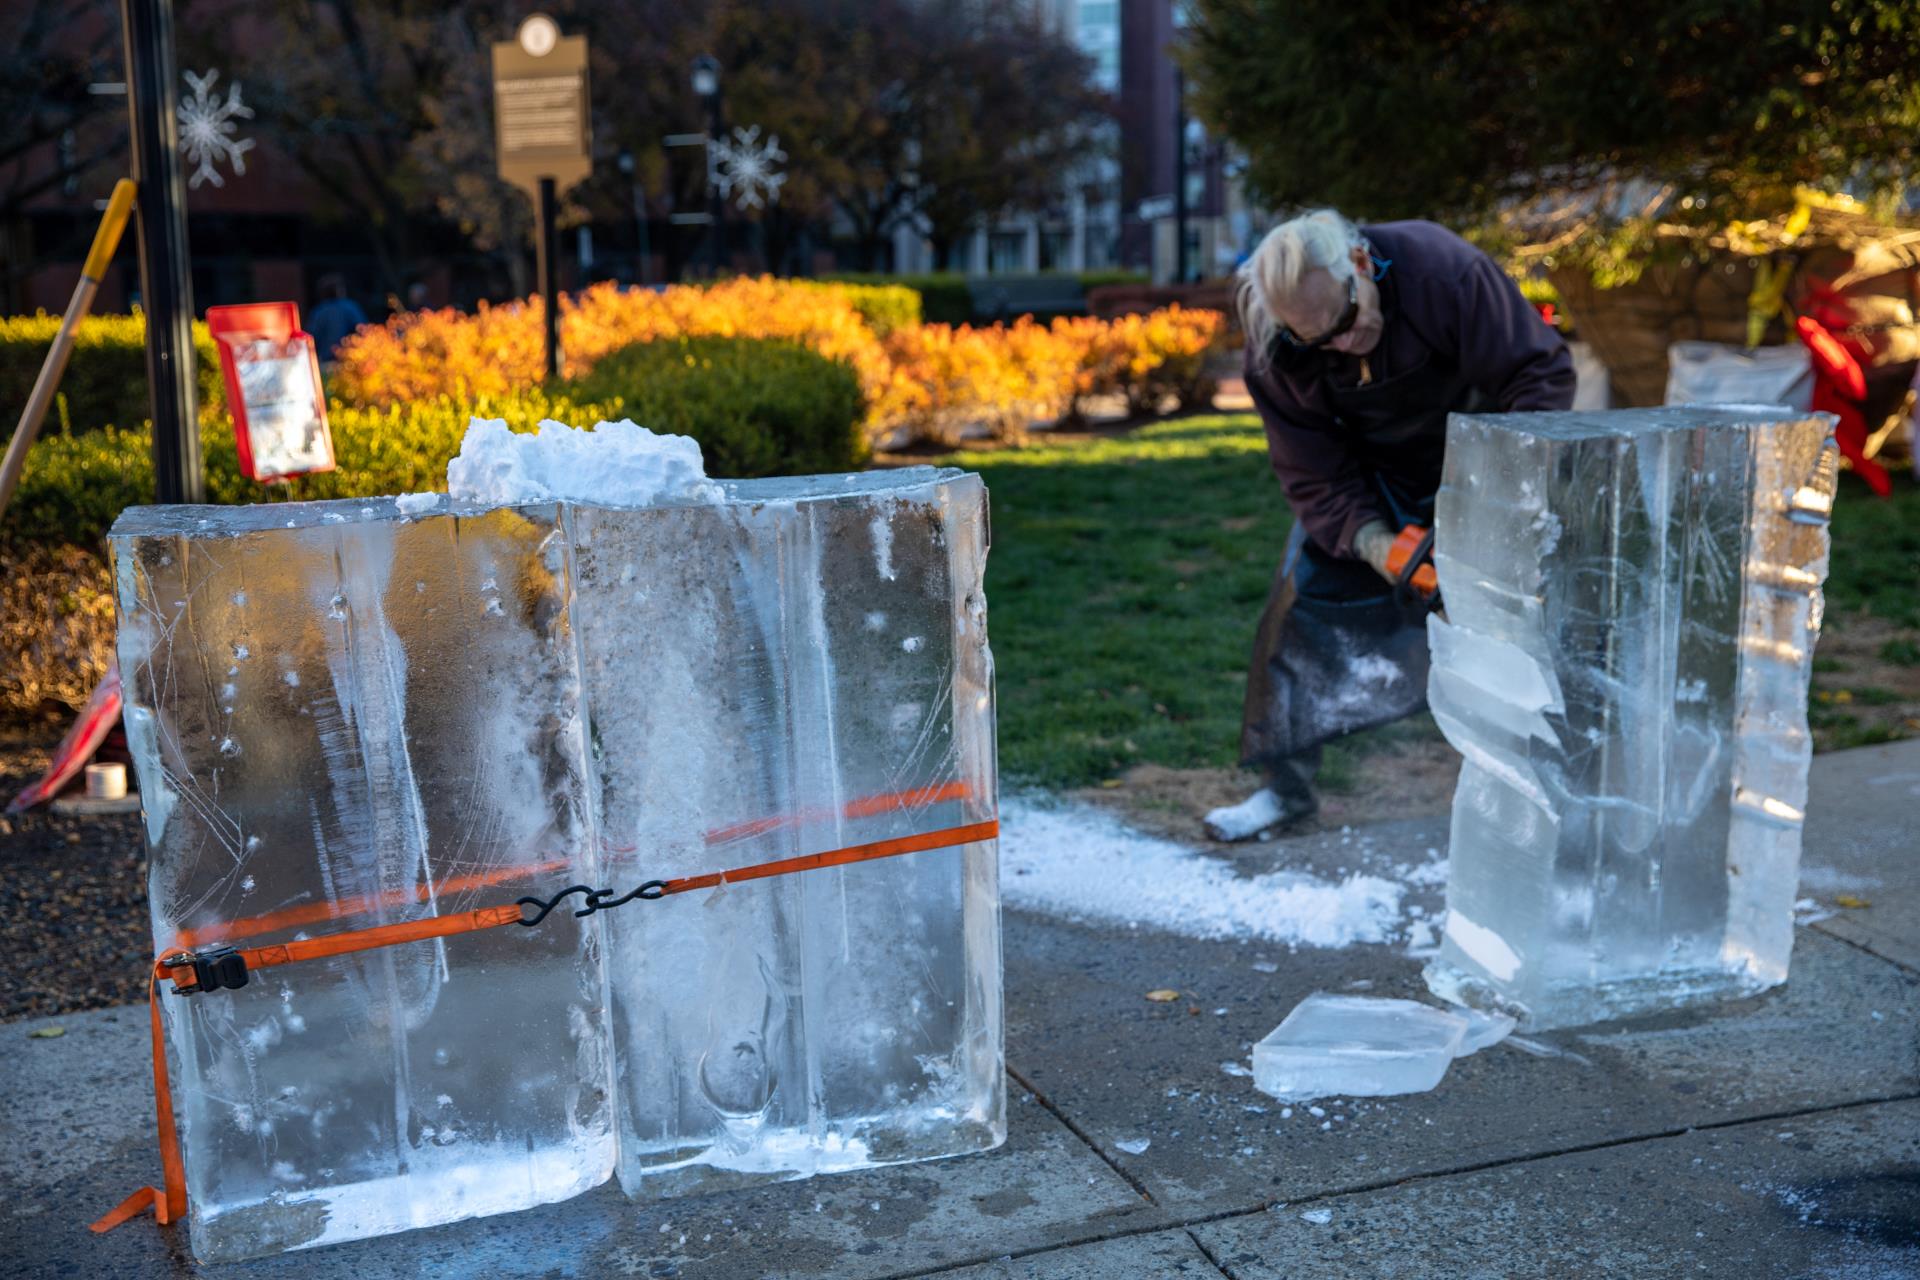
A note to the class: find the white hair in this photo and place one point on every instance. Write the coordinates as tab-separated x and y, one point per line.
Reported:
1320	239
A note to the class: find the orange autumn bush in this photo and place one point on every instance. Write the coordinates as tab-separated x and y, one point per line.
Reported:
1145	358
496	350
1167	356
423	355
606	318
920	382
947	379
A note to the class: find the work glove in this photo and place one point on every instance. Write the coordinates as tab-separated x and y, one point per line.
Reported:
1372	542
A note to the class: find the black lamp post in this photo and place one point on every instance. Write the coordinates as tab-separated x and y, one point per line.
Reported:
1179	176
166	278
706	85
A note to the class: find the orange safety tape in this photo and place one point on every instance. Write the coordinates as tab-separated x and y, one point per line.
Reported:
171	1204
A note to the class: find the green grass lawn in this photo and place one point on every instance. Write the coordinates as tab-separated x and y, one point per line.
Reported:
1876	553
1127	574
1866	684
1125	580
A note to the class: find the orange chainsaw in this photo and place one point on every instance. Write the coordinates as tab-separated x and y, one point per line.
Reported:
1410	561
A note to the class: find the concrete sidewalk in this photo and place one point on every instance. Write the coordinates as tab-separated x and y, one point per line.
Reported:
1779	1136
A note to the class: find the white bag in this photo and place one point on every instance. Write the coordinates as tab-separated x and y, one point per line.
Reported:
1592	385
1716	373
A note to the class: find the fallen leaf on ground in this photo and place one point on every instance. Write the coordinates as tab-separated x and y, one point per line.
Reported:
1850	902
46	1033
1163	996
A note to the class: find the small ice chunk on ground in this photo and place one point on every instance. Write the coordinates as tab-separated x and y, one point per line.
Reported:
1541	1049
1134	1146
418	504
1808	911
1318	1217
616	464
1366	1046
1247	819
1484	1030
1236	1068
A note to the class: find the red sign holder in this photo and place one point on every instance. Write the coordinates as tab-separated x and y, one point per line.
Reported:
272	372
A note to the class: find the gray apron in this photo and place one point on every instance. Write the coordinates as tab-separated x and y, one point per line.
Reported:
1336	651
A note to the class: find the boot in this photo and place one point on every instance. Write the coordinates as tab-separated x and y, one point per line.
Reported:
1286	800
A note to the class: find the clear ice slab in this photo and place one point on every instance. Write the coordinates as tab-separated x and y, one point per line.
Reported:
801	666
343	719
1367	1047
1632	601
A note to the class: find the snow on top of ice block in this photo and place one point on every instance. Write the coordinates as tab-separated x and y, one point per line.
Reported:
1592	424
1076	861
612	464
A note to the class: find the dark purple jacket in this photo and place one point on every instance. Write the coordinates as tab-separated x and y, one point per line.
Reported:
1441	298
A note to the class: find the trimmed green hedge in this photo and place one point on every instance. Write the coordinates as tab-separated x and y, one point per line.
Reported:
758	406
106	379
1100	279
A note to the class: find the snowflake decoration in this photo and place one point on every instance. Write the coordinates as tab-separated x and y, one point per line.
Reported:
747	168
206	129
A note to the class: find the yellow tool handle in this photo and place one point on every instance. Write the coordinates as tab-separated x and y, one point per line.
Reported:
107	238
105	241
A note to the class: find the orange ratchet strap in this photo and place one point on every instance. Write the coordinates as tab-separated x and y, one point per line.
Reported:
225	967
972	833
298	917
169	1205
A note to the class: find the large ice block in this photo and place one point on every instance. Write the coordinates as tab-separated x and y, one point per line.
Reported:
345	718
802	666
1632	600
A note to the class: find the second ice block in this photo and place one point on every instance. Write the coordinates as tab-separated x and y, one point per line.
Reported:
801	666
1632	600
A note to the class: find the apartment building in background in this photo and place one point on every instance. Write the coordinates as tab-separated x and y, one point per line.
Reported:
1120	210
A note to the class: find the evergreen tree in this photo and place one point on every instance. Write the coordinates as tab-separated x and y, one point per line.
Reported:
1448	109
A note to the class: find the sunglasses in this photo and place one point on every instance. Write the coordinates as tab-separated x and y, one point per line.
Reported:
1346	321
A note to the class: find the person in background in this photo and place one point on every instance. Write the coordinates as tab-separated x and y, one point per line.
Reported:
1360	342
334	318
